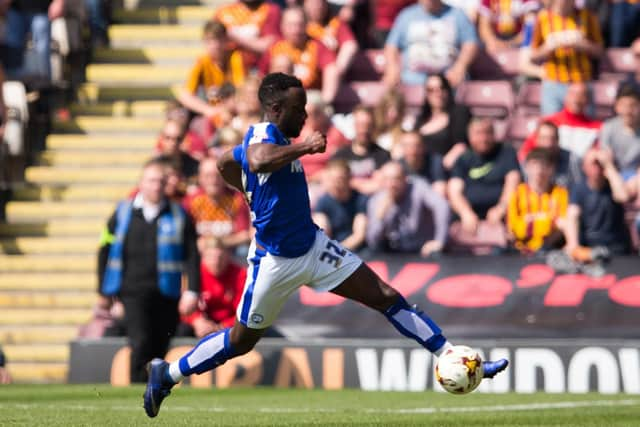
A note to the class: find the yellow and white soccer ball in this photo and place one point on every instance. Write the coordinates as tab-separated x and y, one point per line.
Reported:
459	370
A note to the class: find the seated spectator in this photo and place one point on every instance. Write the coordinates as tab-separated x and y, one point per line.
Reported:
364	156
501	24
341	211
333	33
621	134
443	123
406	215
577	131
481	184
385	13
252	25
390	117
224	139
312	62
5	377
169	146
217	66
565	40
221	286
218	210
538	208
428	38
318	120
418	161
595	217
246	105
624	22
192	142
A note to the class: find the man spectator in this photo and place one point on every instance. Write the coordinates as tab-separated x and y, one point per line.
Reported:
418	161
501	24
5	377
253	25
169	146
595	217
364	156
406	215
621	134
222	283
341	211
311	61
217	66
218	210
537	208
565	41
483	178
427	38
148	244
577	131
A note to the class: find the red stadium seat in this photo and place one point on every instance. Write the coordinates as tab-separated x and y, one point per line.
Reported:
604	96
487	98
495	66
617	62
367	65
351	94
520	127
528	99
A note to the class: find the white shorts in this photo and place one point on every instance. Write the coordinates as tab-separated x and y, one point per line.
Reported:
272	279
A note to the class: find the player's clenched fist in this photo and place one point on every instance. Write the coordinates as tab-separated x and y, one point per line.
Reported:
316	142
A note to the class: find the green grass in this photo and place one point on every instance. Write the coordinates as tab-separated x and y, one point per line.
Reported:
65	405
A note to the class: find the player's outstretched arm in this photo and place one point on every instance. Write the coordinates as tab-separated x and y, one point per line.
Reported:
264	158
230	170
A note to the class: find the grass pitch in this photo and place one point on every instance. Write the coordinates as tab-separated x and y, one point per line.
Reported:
66	405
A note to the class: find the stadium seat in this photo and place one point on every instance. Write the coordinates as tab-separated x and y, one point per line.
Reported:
520	127
604	96
367	65
354	93
487	98
502	65
617	62
528	99
500	127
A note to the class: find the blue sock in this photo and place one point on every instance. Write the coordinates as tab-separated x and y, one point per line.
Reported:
212	351
413	323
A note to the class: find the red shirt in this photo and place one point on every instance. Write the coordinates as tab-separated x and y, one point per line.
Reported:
385	12
219	296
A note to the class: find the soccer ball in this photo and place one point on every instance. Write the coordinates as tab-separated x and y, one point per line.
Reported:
459	370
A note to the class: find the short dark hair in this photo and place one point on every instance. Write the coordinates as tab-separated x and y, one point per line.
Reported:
628	89
274	87
543	155
549	124
214	29
163	162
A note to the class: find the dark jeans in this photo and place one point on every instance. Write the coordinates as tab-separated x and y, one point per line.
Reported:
18	25
624	24
150	322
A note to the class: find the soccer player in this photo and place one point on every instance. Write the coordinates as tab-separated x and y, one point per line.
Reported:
288	250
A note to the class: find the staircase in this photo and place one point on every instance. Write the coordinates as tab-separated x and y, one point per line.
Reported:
48	245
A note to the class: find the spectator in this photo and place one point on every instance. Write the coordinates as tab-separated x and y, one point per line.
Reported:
30	17
390	118
169	146
5	377
565	40
224	139
538	208
333	33
577	131
406	215
218	210
624	22
312	62
443	123
385	13
247	107
341	211
595	217
621	134
176	188
482	182
98	22
217	66
148	244
635	48
501	24
252	25
220	290
364	156
428	38
418	161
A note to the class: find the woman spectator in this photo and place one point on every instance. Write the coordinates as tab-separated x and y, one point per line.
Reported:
442	123
389	117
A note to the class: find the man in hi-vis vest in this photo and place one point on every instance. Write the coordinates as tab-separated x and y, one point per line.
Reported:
148	244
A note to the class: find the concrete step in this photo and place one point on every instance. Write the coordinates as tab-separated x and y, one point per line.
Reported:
53	227
19	211
37	352
52	299
44	316
133	4
83	281
121	109
133	91
64	193
92	143
185	55
50	264
97	124
169	14
49	245
37	334
83	175
39	373
147	35
94	158
127	73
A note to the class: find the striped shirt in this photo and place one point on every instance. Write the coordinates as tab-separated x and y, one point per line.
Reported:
207	74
